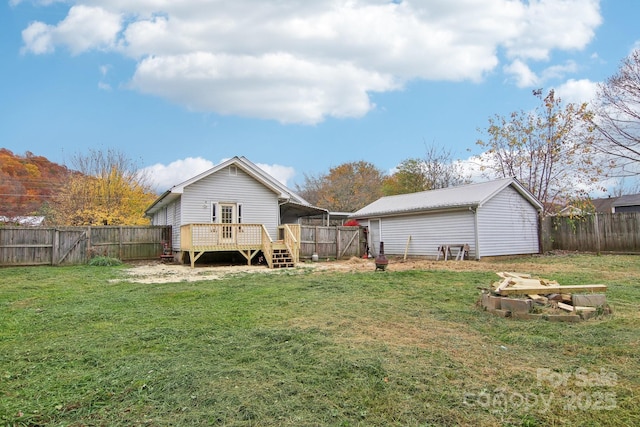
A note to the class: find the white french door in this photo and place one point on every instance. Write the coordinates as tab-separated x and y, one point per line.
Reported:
228	216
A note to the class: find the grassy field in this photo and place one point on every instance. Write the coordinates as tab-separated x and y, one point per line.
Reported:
298	348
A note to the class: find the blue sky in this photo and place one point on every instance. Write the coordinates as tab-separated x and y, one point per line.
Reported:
295	86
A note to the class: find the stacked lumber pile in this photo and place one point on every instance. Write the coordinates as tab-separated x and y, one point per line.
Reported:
523	296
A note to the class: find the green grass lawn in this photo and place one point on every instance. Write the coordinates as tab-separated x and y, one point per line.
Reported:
298	348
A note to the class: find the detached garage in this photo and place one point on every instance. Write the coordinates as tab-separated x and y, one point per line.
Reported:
493	218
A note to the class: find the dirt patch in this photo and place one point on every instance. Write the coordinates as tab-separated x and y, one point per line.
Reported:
158	272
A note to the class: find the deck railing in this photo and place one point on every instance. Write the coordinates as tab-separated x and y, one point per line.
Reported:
291	239
267	250
248	239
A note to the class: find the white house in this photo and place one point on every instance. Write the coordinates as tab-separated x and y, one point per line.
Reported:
493	218
234	206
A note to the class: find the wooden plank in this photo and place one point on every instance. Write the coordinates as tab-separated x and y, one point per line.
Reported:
566	307
525	290
583	308
534	282
406	248
504	284
538	298
505	274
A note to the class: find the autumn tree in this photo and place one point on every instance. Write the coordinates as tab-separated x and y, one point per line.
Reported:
617	118
345	188
27	182
436	169
549	150
108	189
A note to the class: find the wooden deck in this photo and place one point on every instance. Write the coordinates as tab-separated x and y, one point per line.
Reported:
248	239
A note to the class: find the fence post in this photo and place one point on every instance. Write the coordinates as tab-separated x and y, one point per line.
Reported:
315	238
89	248
120	238
55	248
596	230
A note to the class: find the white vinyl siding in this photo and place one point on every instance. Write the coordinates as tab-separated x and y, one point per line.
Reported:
173	211
170	215
259	203
160	217
507	225
427	232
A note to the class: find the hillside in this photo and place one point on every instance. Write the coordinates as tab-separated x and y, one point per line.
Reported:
27	182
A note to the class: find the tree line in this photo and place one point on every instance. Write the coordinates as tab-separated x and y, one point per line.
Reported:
102	187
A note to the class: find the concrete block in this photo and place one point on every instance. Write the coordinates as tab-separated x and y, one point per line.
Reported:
489	302
527	316
589	300
516	305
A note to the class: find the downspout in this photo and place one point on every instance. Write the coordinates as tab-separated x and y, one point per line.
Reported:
284	202
476	232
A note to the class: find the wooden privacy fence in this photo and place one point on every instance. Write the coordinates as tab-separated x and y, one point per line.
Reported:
611	233
77	245
331	242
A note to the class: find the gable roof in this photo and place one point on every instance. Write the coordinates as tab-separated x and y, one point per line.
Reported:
604	205
243	163
465	196
627	200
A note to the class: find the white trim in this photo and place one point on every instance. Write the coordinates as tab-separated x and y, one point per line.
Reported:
214	212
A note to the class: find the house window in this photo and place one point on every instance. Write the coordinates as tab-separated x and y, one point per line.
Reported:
239	213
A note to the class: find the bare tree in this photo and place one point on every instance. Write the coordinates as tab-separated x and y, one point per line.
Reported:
617	118
106	189
436	169
549	150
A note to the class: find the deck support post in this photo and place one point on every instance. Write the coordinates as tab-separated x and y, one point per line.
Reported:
249	254
194	257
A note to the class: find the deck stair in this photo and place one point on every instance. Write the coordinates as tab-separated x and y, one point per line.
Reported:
282	257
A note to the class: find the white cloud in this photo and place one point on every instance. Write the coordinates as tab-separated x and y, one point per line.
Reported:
83	29
37	38
522	74
553	24
279	172
163	177
559	71
577	91
303	61
278	86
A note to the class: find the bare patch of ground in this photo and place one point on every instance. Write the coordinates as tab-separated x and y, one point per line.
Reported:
157	272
